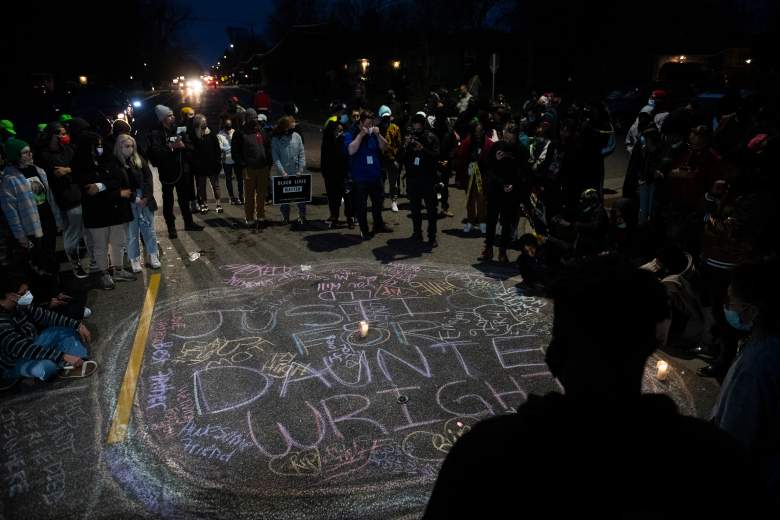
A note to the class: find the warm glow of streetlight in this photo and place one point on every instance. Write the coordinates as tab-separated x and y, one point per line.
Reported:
224	57
396	64
683	58
82	80
749	61
231	45
364	63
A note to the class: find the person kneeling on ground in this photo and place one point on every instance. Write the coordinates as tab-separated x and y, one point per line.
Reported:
602	448
35	342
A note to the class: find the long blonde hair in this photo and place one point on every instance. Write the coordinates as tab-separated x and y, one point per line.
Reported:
134	159
197	121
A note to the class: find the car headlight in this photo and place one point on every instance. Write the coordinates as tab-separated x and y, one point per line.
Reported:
120	115
137	104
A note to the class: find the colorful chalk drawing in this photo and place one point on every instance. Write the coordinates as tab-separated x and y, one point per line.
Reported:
264	391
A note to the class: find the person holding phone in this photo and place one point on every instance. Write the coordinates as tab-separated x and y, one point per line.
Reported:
170	151
364	145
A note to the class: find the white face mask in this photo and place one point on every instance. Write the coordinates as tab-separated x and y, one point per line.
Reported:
25	299
99	150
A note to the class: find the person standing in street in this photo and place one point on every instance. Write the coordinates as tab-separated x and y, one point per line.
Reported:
225	137
136	169
335	170
420	155
251	152
55	157
391	169
364	144
289	158
170	152
206	162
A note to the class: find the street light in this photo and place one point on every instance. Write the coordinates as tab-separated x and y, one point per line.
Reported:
749	61
364	63
396	64
683	58
231	45
82	80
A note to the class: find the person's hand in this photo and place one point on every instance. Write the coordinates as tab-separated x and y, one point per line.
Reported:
658	174
499	155
92	189
508	188
418	146
284	174
178	144
59	171
25	243
141	202
364	131
73	360
375	130
56	302
126	193
86	336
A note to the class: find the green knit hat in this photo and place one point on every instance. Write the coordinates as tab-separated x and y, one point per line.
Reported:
13	149
64	118
8	126
42	127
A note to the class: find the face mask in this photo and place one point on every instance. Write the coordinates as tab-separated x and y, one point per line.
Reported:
64	140
25	299
733	319
622	225
642	140
99	151
651	102
344	119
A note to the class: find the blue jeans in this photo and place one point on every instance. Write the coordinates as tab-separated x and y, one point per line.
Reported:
143	223
646	194
64	339
285	209
74	230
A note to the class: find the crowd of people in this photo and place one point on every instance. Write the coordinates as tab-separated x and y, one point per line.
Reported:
696	212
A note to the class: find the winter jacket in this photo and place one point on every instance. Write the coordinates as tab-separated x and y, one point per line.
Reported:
106	208
288	154
67	192
506	171
392	135
171	164
141	179
333	160
18	203
206	159
224	139
250	147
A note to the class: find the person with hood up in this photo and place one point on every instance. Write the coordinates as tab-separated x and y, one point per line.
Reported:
206	162
420	153
106	202
56	157
170	152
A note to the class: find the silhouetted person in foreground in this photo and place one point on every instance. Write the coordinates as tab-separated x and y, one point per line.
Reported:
602	450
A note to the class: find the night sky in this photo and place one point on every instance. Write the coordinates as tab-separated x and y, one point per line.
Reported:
205	34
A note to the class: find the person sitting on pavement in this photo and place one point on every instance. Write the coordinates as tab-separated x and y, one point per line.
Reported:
35	342
588	235
749	403
603	445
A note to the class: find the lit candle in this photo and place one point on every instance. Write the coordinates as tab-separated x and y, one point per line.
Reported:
363	329
663	370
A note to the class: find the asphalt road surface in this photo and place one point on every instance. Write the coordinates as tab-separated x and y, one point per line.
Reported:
236	382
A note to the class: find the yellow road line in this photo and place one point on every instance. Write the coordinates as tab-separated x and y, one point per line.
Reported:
124	404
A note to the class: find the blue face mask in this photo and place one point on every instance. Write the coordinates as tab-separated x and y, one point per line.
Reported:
732	317
651	102
344	119
25	299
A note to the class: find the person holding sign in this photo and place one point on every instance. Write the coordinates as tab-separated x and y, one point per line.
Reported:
364	145
289	158
420	153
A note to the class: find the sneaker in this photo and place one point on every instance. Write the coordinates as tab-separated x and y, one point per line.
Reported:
433	243
365	236
468	227
218	209
154	261
93	267
334	224
79	271
240	201
204	209
193	227
446	213
135	265
350	223
502	257
483	228
87	312
106	282
438	196
250	223
394	207
123	275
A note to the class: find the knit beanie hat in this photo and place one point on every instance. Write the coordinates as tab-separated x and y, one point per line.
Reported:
8	126
187	111
251	114
64	118
13	149
384	110
161	111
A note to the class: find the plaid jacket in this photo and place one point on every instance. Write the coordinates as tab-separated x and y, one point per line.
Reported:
18	204
19	329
